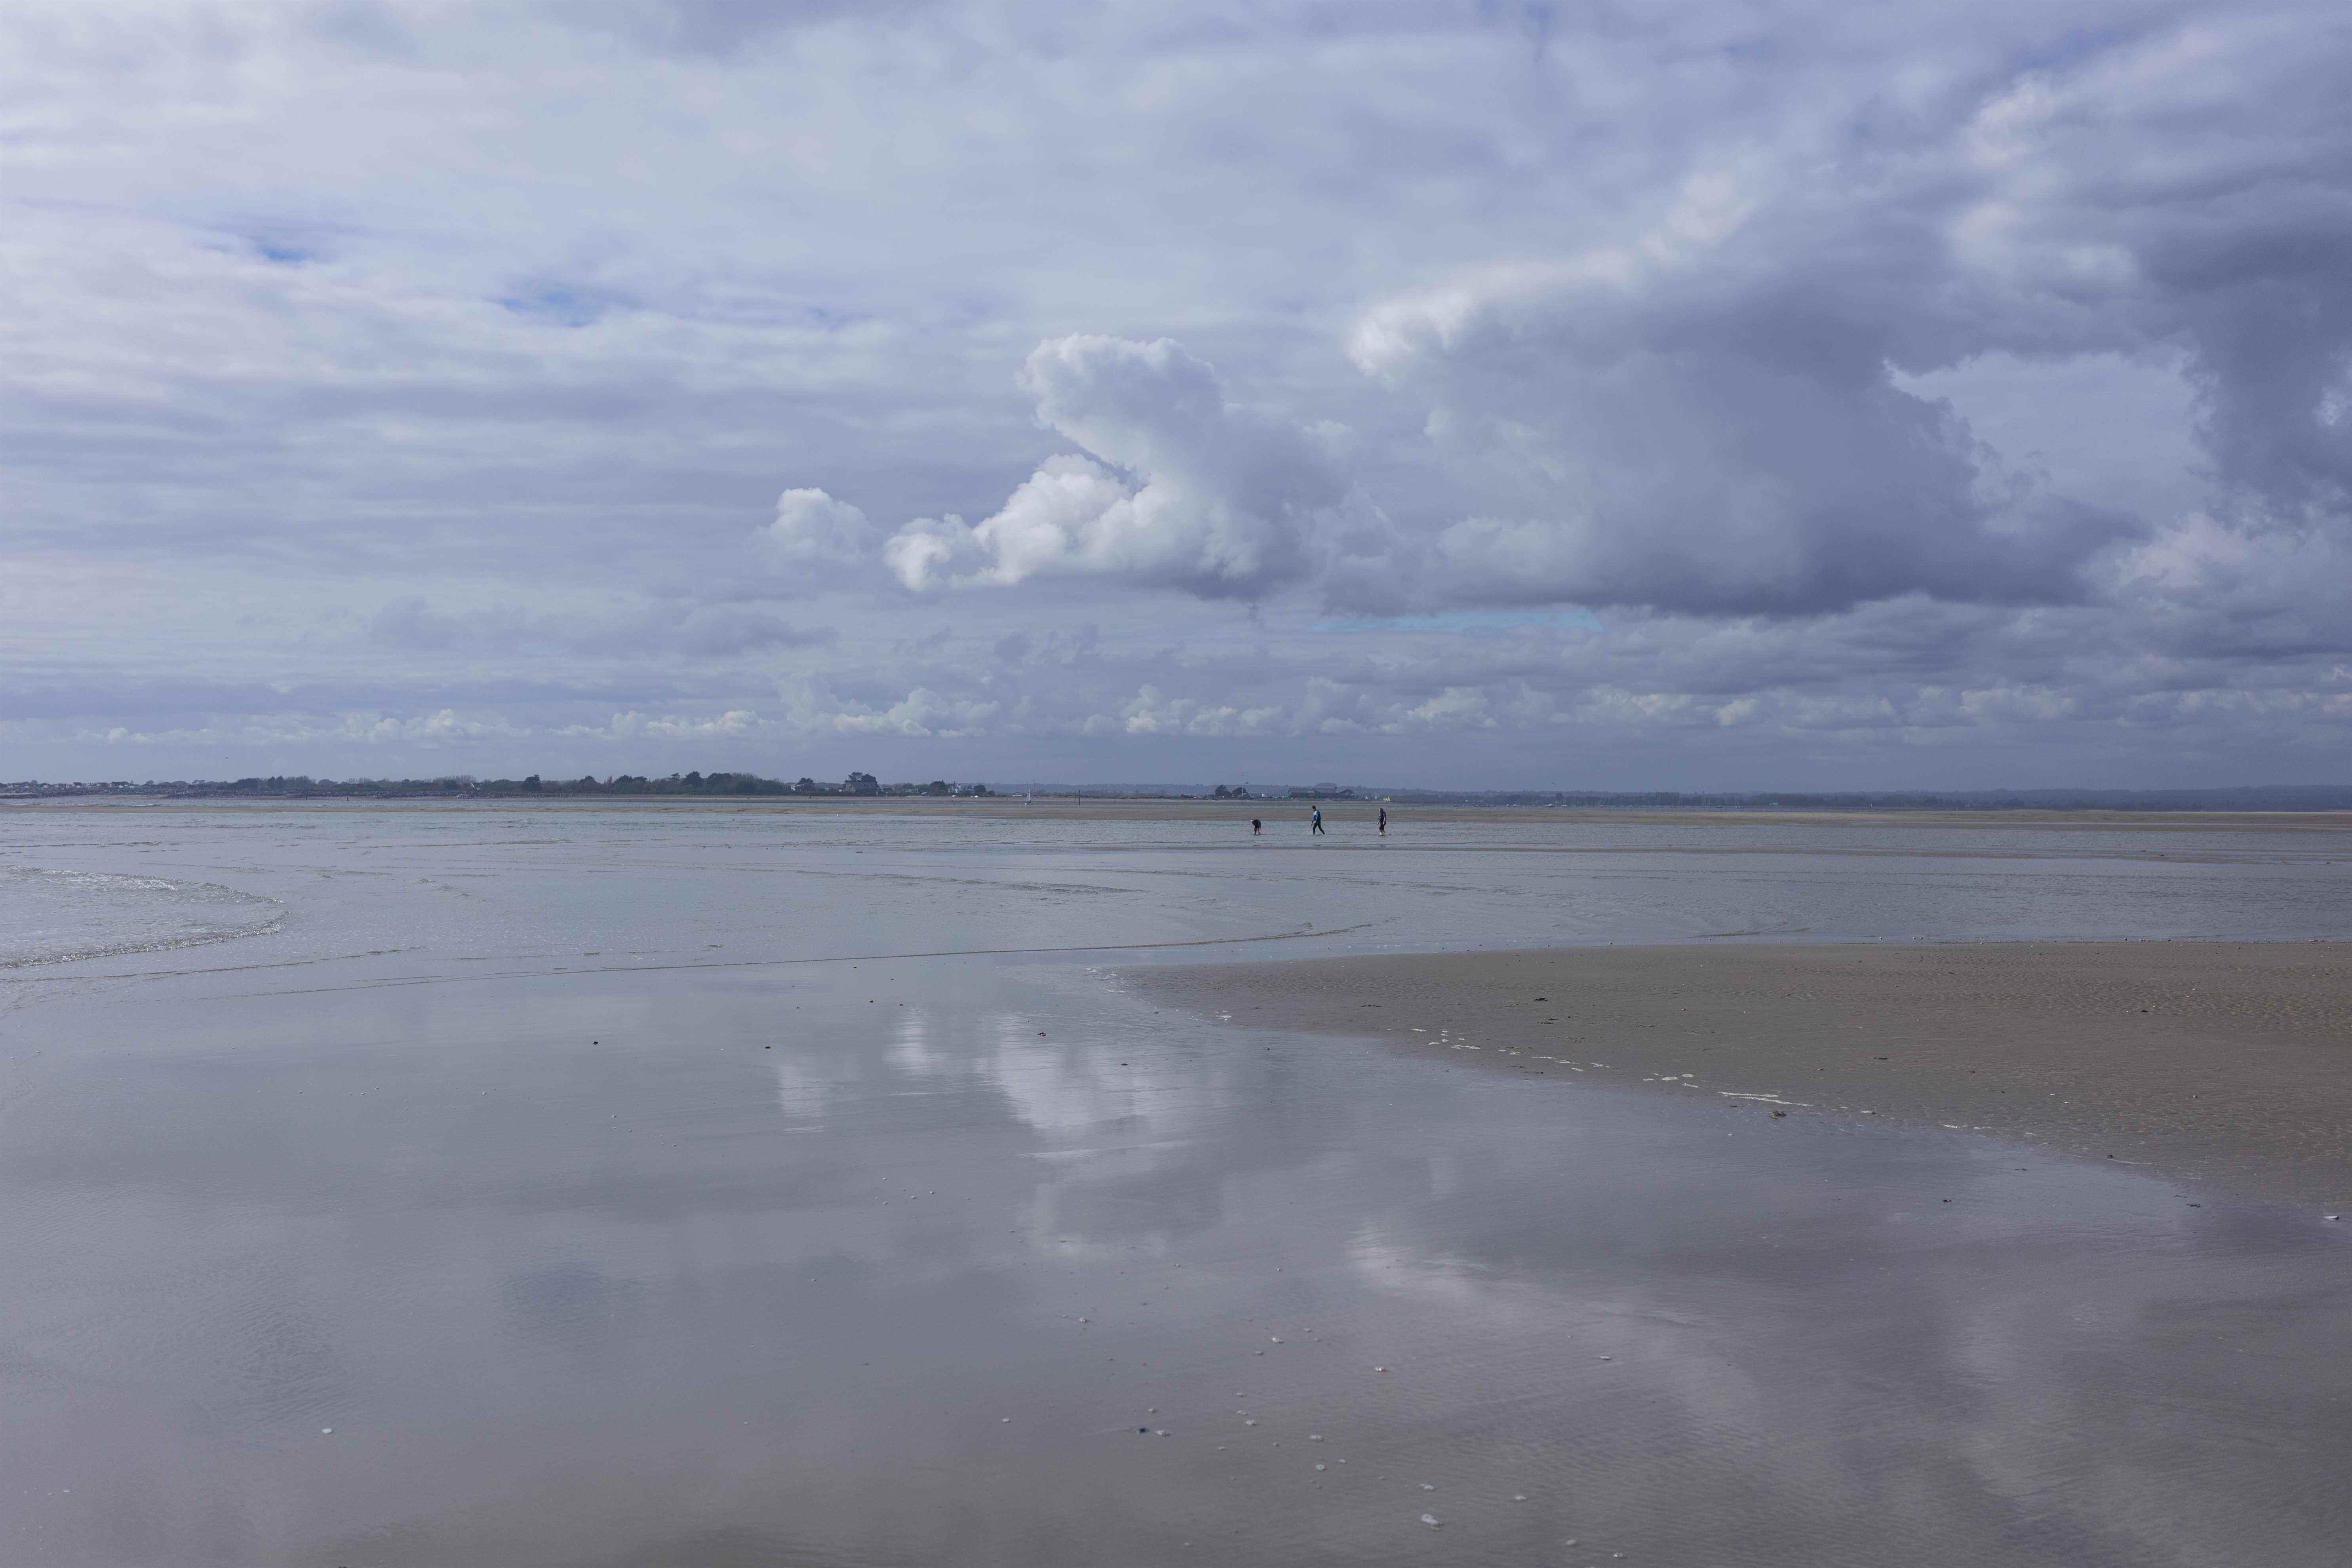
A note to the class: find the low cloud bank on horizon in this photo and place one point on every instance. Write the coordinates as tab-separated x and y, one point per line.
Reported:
1693	395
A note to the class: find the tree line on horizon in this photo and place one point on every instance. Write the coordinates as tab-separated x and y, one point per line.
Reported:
855	784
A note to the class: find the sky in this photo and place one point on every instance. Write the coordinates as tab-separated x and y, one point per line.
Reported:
1438	393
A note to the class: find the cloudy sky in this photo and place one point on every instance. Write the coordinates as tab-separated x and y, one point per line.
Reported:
1682	395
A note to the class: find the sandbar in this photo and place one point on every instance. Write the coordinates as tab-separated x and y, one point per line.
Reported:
2230	1062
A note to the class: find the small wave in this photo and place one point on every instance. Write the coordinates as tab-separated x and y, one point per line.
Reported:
50	917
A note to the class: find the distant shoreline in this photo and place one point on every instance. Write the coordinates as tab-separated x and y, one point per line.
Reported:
2226	1062
1350	819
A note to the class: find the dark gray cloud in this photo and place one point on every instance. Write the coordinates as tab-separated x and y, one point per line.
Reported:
1746	456
1710	393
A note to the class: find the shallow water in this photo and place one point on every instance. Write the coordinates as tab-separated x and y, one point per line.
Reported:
611	1206
58	916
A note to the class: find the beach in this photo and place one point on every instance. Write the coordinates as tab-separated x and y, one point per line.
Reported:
2229	1061
1438	784
595	1187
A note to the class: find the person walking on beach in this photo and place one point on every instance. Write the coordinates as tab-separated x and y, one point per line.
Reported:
1384	822
1256	825
1316	821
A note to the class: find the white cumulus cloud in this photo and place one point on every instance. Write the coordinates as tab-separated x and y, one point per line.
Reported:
1177	487
811	530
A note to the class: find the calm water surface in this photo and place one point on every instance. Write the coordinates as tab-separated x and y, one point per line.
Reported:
511	1187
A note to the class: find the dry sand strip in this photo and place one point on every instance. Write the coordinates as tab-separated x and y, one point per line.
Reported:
2229	1061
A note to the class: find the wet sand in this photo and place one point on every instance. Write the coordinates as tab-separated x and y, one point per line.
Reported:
2228	1061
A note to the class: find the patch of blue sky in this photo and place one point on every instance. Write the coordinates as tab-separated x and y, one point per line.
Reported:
562	304
280	245
1468	622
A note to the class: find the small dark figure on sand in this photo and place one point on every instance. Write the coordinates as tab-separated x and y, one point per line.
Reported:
1384	822
1256	825
1316	821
